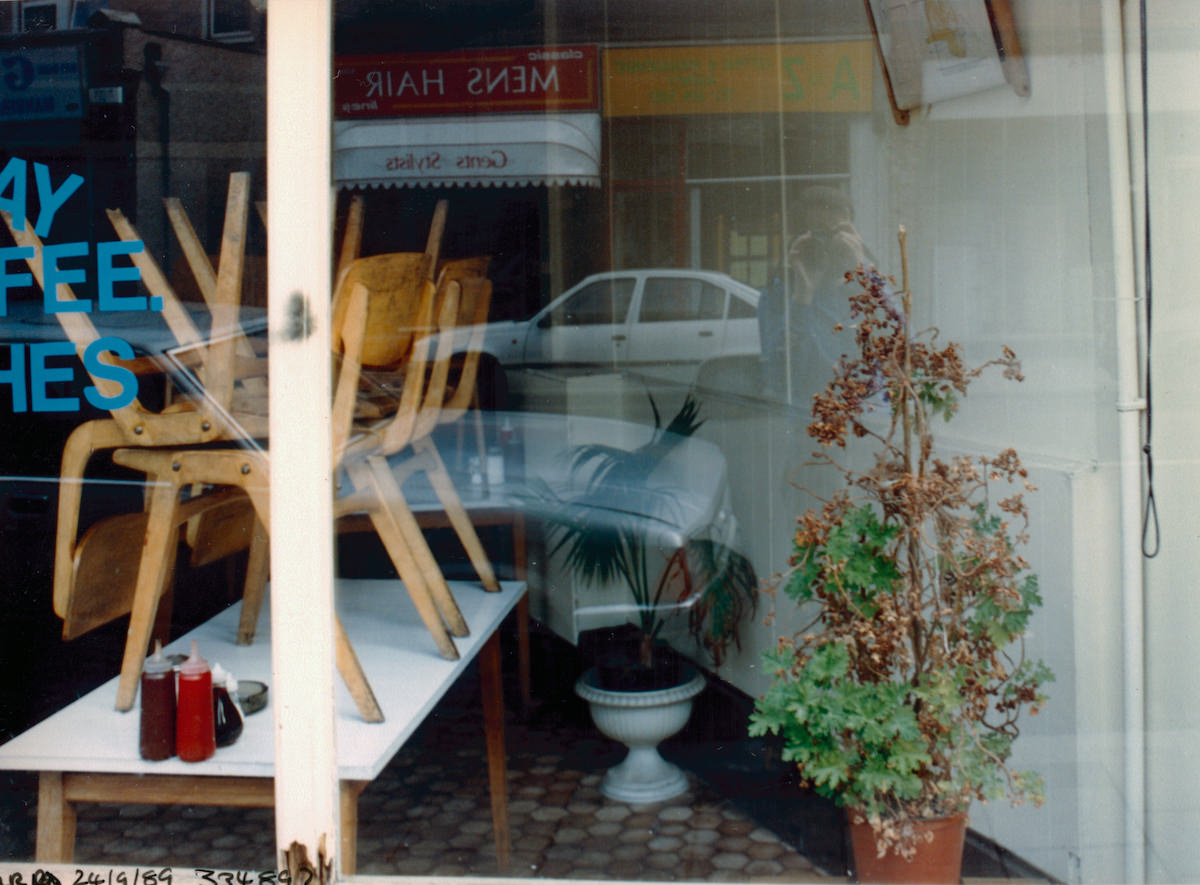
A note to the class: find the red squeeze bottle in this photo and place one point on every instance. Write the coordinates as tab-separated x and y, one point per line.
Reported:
195	738
156	735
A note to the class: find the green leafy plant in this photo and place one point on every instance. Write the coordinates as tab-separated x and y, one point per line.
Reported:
605	532
900	697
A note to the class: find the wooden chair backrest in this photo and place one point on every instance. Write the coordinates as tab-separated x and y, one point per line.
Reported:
371	302
385	307
352	237
84	587
474	303
393	280
383	312
474	269
395	284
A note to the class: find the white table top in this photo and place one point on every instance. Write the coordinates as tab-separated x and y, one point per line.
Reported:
401	661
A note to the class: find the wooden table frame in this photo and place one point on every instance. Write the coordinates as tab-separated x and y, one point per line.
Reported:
59	792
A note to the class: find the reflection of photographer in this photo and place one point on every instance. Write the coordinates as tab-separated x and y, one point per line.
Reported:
829	246
796	330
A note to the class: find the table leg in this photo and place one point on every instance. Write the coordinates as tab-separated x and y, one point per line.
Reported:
349	791
55	821
492	691
523	656
524	663
520	551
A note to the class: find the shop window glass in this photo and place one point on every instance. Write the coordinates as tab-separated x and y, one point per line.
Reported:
660	149
604	302
101	123
701	181
667	300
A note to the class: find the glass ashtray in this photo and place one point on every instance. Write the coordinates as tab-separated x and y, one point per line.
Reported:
252	695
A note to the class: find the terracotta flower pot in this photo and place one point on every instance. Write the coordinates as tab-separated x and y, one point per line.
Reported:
937	859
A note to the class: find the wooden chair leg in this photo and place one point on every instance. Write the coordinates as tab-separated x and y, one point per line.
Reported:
347	661
158	547
391	499
397	549
353	675
443	487
257	571
352	238
384	523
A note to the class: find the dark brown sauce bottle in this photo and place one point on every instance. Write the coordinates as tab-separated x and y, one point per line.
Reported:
156	734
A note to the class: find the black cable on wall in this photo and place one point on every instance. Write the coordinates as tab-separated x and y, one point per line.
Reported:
1151	538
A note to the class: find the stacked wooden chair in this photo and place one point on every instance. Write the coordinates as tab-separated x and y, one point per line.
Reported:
387	309
466	280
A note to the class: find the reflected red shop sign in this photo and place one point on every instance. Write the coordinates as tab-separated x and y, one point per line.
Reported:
530	79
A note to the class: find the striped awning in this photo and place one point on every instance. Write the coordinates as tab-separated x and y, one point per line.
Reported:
482	151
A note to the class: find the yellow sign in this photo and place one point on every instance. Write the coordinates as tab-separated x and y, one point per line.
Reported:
766	78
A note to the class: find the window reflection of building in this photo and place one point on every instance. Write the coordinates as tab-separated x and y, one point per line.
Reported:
126	96
648	209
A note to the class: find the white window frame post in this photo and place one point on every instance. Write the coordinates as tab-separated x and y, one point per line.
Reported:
299	199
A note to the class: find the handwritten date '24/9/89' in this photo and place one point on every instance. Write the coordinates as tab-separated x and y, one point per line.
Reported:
160	876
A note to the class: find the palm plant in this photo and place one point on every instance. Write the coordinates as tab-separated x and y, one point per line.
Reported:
605	532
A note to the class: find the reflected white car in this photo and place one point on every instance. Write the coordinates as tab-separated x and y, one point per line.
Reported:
662	322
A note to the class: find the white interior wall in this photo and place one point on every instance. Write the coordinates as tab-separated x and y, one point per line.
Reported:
1006	201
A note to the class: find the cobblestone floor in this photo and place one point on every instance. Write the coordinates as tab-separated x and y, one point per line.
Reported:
429	813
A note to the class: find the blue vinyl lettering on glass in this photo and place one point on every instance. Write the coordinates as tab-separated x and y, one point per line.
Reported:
33	368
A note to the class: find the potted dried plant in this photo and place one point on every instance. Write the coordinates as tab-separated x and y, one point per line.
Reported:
640	689
900	696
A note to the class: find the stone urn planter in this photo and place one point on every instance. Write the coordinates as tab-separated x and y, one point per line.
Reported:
642	720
